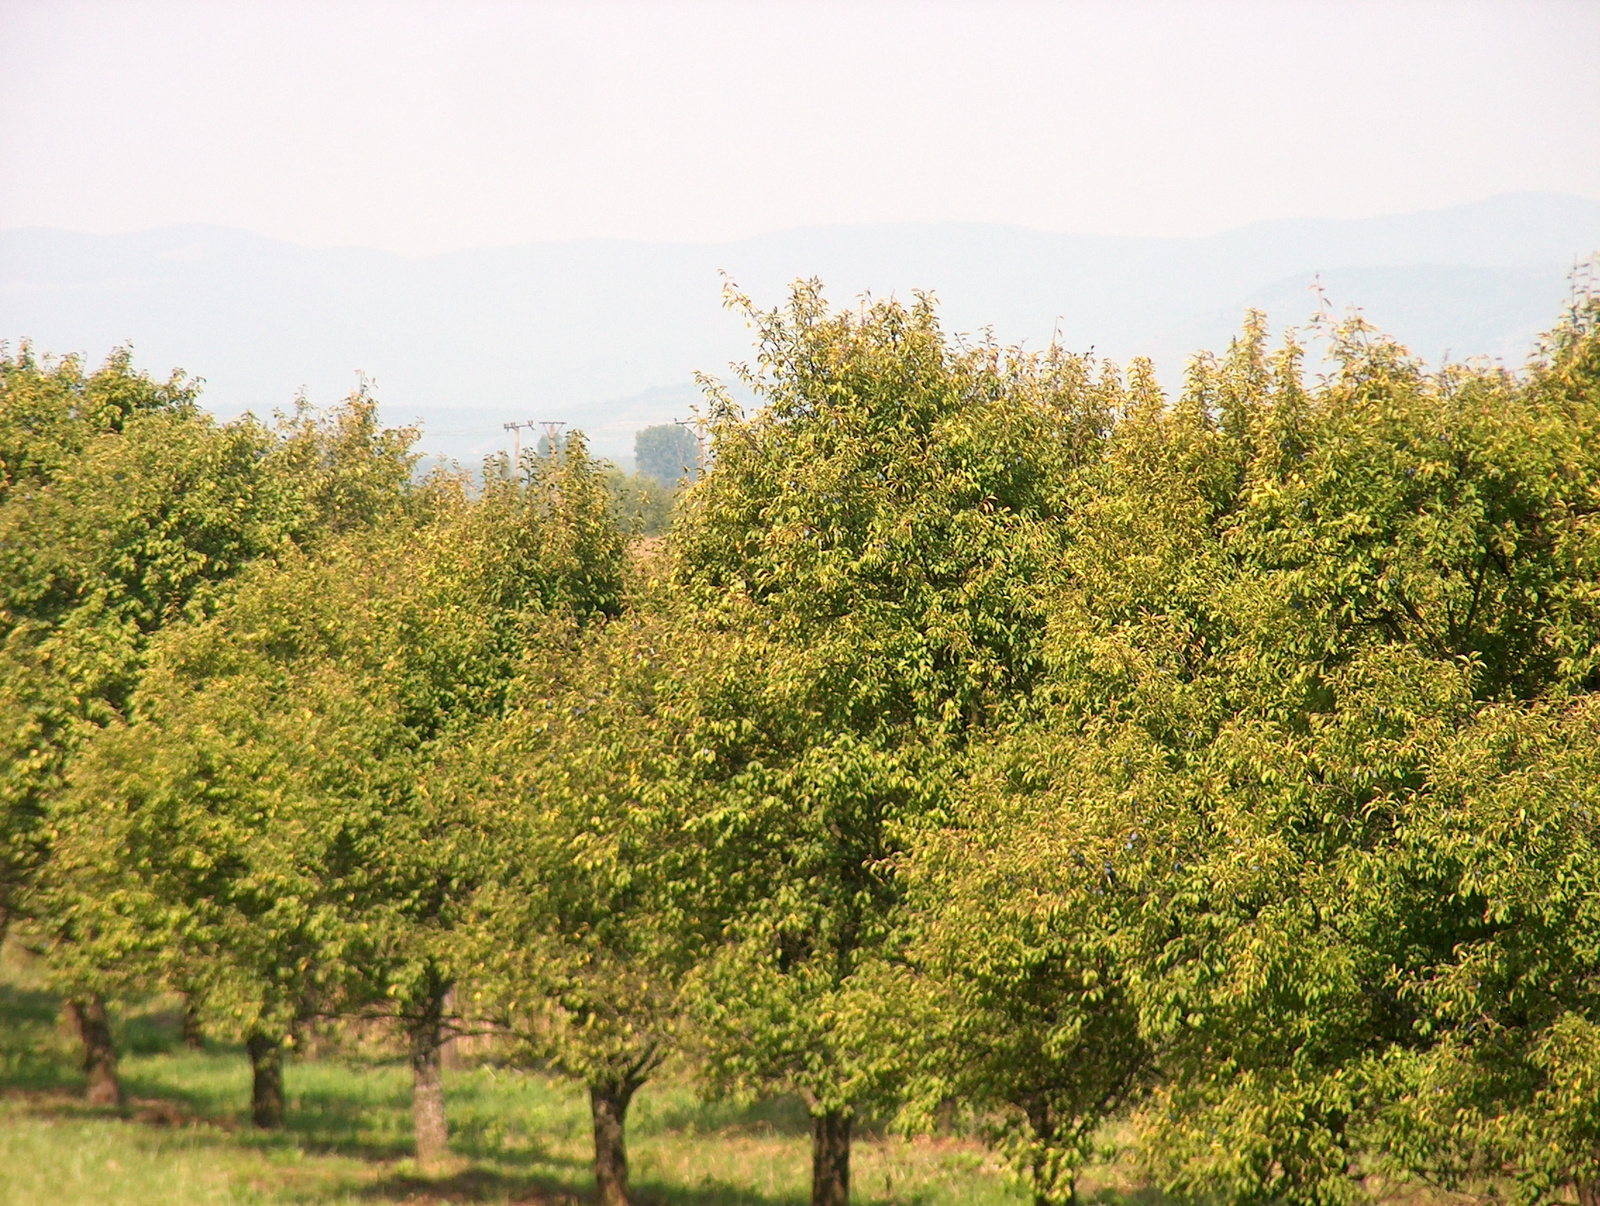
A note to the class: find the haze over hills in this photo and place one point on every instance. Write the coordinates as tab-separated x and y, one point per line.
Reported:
606	334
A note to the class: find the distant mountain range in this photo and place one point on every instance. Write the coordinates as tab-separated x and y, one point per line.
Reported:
606	334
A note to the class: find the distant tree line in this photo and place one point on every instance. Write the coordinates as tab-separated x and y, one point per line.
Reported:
668	452
990	733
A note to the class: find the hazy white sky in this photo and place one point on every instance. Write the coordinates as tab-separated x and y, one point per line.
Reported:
420	127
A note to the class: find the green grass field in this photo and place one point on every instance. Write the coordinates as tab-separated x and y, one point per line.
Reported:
184	1137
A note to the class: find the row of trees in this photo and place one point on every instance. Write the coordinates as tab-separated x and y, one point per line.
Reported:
990	733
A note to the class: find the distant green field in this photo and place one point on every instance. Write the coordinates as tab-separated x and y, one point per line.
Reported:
184	1138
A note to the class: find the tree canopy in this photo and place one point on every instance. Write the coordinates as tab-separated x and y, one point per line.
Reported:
667	452
991	736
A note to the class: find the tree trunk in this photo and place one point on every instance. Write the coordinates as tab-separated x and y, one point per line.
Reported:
1048	1189
830	1159
99	1053
450	1048
608	1103
194	1036
427	1084
266	1080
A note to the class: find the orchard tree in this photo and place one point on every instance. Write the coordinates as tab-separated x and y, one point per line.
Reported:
1021	1010
225	828
67	609
583	949
1302	601
123	508
1506	823
1026	1016
642	505
295	727
870	540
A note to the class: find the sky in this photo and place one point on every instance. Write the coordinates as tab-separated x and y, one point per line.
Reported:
427	127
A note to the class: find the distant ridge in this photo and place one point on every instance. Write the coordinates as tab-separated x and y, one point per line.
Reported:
606	334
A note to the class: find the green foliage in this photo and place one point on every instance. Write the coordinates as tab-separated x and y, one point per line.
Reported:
871	545
1279	610
989	733
123	507
1023	1010
579	954
262	830
641	503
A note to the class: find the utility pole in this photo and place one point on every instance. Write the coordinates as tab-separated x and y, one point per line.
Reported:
552	432
516	432
698	426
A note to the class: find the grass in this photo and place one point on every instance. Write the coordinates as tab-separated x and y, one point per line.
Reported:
184	1137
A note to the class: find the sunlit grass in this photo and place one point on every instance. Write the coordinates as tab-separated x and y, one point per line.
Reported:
517	1136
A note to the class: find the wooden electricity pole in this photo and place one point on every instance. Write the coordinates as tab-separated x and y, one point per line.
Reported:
516	432
698	426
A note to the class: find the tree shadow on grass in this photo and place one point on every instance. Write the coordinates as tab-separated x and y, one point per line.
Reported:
32	1050
328	1124
22	1007
712	1194
475	1185
369	1122
324	1121
1147	1196
358	1120
482	1185
530	1176
691	1116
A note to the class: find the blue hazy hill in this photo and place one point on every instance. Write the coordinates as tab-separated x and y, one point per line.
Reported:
606	334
